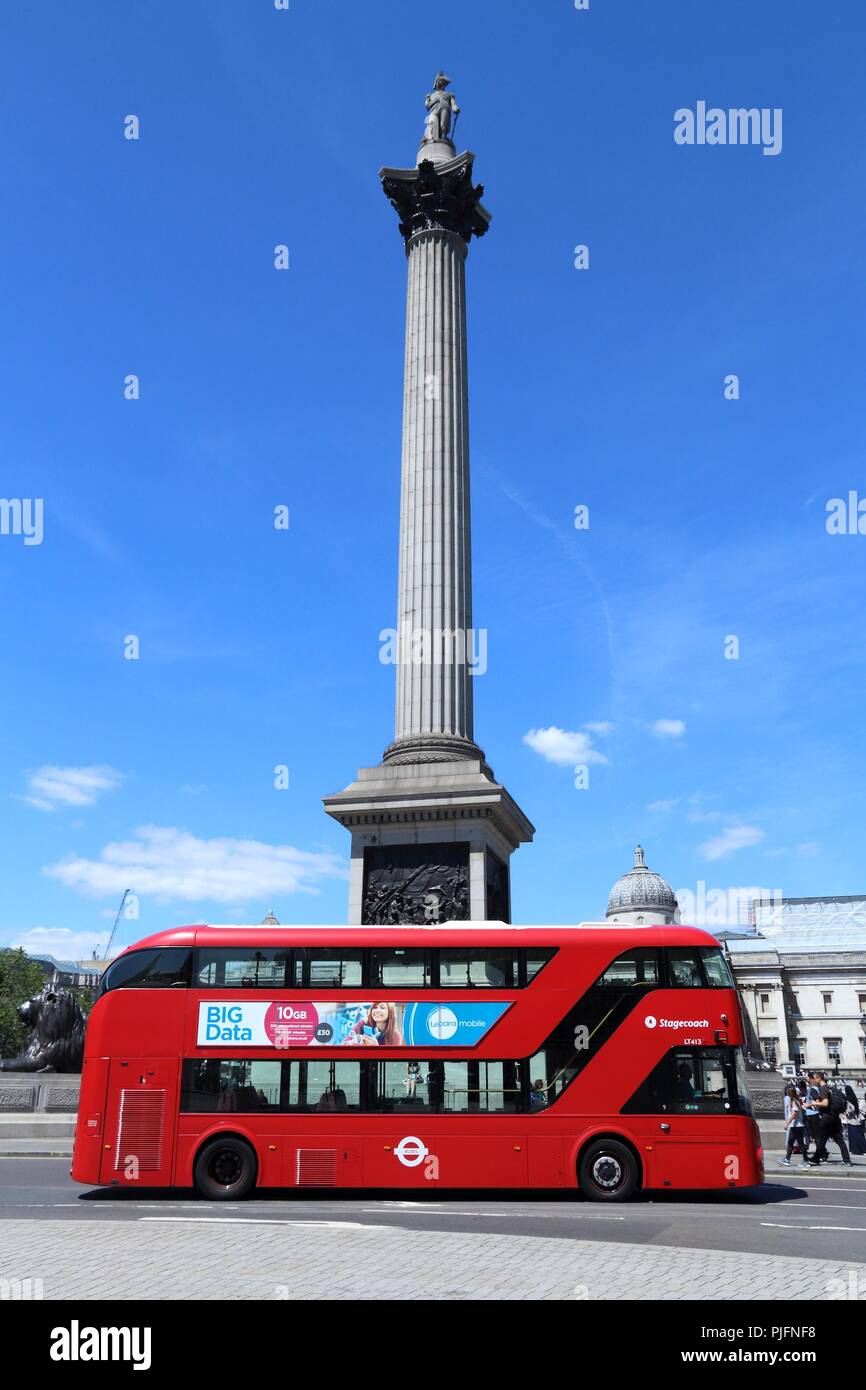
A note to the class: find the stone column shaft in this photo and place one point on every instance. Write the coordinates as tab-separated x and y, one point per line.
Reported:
434	696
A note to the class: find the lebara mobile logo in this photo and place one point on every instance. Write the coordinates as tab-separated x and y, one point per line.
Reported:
411	1151
442	1023
650	1021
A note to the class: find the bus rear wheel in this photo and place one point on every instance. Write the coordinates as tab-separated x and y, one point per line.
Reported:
225	1169
608	1172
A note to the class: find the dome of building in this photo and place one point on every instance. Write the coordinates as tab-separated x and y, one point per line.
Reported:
640	890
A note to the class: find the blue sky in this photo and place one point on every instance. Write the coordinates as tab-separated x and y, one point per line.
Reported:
259	387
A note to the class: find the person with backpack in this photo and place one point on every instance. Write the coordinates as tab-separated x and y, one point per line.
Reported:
831	1105
811	1116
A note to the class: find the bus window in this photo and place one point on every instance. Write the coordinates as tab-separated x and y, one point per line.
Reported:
687	1081
328	967
327	1087
214	1086
476	968
716	968
744	1099
633	969
684	971
533	960
492	1087
238	967
159	968
406	1087
548	1073
402	967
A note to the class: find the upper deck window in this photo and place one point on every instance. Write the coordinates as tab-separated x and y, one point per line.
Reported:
716	968
402	967
633	969
158	967
684	970
473	967
238	967
328	967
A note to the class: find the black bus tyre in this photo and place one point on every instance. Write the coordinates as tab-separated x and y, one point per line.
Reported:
226	1169
608	1172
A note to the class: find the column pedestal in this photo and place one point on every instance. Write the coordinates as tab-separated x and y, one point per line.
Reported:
429	843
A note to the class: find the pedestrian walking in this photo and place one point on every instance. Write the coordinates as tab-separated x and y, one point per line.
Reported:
830	1104
795	1126
854	1124
811	1113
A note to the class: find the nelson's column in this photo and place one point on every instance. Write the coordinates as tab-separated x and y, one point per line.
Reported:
432	830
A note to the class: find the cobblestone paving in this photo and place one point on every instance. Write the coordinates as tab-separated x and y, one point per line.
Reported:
215	1259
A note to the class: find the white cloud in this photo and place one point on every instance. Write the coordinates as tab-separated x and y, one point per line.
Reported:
663	805
733	838
50	787
172	865
668	728
599	726
61	942
563	747
807	850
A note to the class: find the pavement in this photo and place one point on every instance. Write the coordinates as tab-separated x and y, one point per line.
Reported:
801	1236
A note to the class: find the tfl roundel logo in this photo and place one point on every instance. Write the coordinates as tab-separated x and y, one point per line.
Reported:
411	1151
650	1021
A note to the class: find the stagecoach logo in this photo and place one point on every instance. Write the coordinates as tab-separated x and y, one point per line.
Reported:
442	1023
652	1022
411	1151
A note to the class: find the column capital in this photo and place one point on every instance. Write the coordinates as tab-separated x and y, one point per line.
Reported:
437	197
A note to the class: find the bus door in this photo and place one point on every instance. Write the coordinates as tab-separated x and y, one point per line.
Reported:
138	1137
327	1151
455	1123
695	1141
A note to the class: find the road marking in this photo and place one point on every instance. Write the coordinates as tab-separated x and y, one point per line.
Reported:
423	1210
260	1221
780	1225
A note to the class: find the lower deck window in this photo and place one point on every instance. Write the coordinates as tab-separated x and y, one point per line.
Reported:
212	1086
688	1081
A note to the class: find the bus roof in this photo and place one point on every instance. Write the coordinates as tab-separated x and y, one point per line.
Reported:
444	934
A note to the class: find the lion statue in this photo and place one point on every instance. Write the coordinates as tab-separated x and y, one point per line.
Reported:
56	1041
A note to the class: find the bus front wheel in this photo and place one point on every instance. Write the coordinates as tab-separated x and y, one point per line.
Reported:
225	1169
608	1172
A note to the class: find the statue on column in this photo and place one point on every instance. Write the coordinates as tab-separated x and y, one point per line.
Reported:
440	104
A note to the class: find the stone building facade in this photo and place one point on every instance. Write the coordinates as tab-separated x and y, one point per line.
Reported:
802	980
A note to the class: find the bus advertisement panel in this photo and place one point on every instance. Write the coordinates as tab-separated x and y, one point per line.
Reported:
347	1023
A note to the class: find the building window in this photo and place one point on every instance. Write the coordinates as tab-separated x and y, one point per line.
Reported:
861	1003
834	1050
769	1047
764	1003
800	1052
828	1002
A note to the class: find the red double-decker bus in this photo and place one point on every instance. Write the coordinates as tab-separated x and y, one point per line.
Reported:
601	1058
